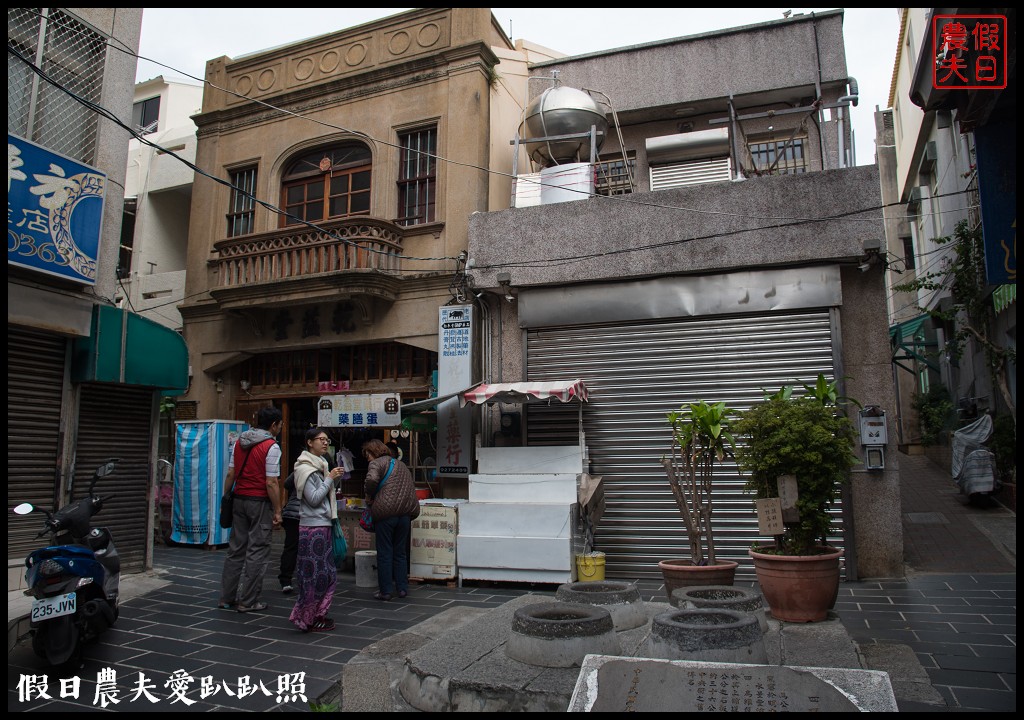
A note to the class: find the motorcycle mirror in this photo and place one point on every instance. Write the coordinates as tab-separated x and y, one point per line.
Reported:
107	468
24	509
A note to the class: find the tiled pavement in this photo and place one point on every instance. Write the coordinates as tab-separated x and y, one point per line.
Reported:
962	626
957	606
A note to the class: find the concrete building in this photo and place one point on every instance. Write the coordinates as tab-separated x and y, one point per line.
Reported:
953	161
355	160
83	377
742	255
158	193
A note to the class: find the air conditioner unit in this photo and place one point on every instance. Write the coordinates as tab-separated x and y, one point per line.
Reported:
928	159
915	198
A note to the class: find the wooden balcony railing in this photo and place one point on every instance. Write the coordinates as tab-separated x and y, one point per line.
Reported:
360	243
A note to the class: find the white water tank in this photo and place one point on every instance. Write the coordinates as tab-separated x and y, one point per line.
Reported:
565	183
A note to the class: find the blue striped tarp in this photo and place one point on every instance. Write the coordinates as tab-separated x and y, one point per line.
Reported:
201	462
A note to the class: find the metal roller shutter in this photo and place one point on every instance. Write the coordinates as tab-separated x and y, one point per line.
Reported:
35	388
116	421
638	372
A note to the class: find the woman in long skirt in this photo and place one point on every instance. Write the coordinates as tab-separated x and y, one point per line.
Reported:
315	571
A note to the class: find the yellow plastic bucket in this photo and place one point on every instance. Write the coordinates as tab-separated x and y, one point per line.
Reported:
590	567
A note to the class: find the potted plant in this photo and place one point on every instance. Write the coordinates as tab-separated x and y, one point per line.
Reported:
803	443
700	439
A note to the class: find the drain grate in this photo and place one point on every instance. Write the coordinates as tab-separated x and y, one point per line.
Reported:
928	518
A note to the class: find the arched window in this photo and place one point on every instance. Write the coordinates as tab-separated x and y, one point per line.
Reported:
332	182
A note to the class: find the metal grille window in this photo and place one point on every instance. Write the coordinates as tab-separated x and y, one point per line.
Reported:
779	158
243	202
72	55
613	176
327	183
146	115
417	177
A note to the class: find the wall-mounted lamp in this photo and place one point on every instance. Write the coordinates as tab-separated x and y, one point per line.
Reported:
245	385
218	384
505	281
872	254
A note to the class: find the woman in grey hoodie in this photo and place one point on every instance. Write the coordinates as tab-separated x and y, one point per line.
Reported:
314	485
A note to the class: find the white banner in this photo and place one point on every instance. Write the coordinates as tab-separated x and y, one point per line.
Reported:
383	410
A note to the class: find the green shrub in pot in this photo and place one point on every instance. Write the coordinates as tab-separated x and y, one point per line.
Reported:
808	437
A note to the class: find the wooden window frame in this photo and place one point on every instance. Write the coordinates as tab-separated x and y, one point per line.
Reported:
348	161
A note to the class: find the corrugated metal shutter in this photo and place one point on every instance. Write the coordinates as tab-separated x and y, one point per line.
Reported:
35	387
693	172
637	373
116	421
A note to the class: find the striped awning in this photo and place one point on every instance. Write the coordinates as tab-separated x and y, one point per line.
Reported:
525	392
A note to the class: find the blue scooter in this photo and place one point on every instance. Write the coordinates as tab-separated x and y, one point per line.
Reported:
75	585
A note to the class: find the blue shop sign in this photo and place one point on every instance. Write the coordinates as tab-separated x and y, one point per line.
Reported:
54	212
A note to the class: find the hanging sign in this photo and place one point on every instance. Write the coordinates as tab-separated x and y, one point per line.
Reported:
54	212
769	517
381	410
788	495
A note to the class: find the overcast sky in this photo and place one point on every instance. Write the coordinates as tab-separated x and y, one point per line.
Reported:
185	38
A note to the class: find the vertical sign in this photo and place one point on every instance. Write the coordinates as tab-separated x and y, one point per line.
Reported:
996	142
454	373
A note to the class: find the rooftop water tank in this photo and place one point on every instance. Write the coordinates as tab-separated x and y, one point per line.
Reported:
561	111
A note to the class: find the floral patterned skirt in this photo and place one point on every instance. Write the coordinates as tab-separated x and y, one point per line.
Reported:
315	576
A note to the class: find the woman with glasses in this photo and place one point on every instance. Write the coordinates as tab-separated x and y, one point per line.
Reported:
314	486
391	494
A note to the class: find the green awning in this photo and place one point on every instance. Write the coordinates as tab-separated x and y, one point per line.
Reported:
907	346
908	328
1004	296
128	349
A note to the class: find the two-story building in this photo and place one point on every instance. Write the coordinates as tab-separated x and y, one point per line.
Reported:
730	247
345	170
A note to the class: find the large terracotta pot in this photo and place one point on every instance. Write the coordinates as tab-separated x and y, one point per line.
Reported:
683	573
799	588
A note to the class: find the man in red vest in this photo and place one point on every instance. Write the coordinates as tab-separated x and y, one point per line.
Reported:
254	472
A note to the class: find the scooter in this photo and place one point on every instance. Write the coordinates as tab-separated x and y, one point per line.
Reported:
75	585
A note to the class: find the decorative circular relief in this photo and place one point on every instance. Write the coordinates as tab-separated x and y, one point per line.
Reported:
329	61
266	79
355	54
399	42
428	34
304	69
243	84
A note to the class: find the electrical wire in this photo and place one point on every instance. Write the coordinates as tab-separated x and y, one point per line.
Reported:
104	112
553	261
440	158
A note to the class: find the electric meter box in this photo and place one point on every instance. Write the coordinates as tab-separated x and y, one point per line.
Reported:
873	427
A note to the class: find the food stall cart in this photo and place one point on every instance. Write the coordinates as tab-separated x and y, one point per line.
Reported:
521	520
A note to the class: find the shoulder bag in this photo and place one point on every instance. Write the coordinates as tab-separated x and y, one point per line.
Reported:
340	545
366	519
